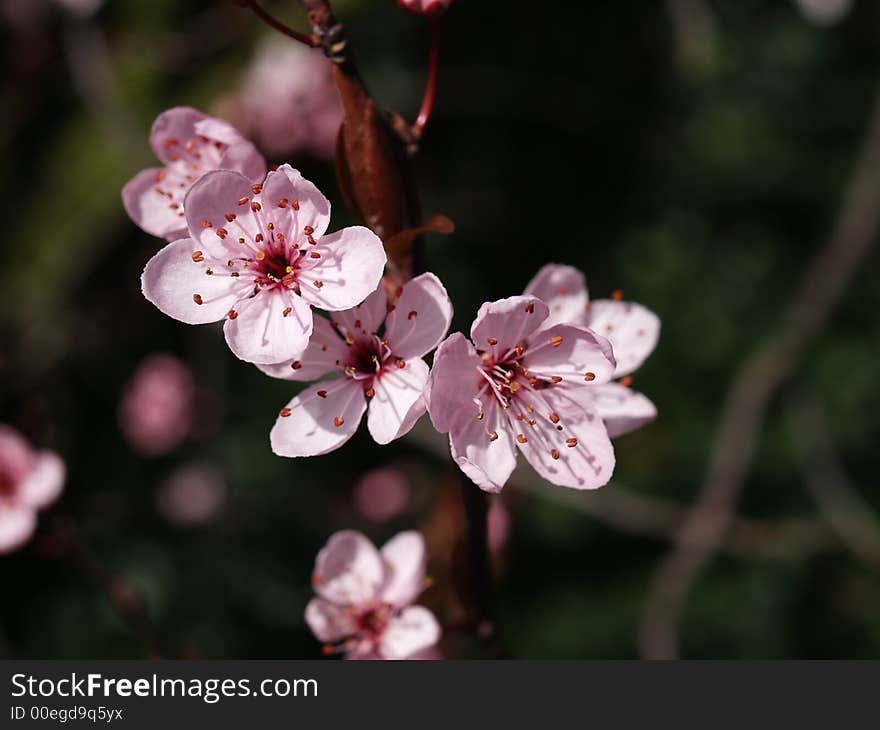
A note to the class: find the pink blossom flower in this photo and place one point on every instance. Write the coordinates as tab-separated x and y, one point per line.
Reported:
189	144
523	386
257	257
192	495
632	330
365	596
155	411
377	349
29	481
425	7
381	494
305	113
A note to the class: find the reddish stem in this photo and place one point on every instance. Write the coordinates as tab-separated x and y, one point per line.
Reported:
431	83
270	20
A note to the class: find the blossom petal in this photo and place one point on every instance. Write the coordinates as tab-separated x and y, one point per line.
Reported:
310	429
172	129
506	322
349	269
632	329
214	199
325	353
328	621
571	450
273	326
405	560
564	290
411	631
151	210
420	318
622	409
366	317
175	283
243	157
43	484
17	524
454	381
399	400
18	457
349	571
307	206
576	354
484	449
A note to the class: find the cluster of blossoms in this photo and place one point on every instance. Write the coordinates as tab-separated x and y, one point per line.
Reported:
545	373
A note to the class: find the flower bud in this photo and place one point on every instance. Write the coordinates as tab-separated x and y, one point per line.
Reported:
431	8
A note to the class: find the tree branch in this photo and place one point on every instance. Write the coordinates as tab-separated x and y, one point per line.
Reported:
770	364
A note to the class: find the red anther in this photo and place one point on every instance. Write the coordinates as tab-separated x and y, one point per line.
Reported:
390	308
284	412
294	204
170	142
259	238
242	201
590	377
198	256
556	341
222	232
400	364
370	392
554	453
230	217
314	255
287	310
296	364
556	379
554	417
617	295
522	439
206	223
197	298
322	393
493	436
338	421
282	203
308	230
255	206
412	315
319	284
530	308
257	188
288	280
626	381
571	443
492	341
232	314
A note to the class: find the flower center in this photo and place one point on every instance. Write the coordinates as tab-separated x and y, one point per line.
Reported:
367	357
372	622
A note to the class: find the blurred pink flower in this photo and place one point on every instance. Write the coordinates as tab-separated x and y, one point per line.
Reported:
824	12
381	494
364	606
523	386
257	257
304	113
155	411
189	144
498	525
192	495
425	7
80	7
632	330
29	481
386	371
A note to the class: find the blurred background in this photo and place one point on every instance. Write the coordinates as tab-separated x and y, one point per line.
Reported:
696	154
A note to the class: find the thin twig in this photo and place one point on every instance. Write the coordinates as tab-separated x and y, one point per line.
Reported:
770	364
272	21
847	512
486	621
418	129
